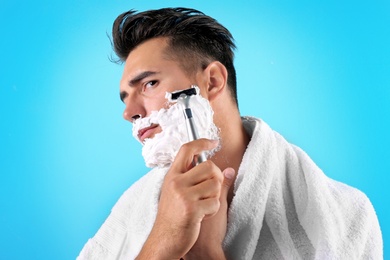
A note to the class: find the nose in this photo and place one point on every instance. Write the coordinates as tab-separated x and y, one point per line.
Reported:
135	117
133	111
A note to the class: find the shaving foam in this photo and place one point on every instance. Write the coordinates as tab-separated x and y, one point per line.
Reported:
161	150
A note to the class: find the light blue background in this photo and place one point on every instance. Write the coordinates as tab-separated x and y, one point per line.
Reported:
316	71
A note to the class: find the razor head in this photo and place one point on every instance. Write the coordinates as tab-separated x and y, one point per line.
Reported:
183	93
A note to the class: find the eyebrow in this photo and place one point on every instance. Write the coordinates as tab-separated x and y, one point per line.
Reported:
134	81
140	77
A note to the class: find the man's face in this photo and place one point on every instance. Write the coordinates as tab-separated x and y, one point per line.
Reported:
148	74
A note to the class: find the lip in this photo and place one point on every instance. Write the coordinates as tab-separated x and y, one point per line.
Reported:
146	132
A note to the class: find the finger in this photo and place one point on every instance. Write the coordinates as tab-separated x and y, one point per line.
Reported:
210	188
185	156
204	171
229	178
209	207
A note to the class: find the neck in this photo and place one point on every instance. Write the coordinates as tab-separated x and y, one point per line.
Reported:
234	141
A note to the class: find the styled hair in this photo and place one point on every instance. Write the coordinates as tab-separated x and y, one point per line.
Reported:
194	39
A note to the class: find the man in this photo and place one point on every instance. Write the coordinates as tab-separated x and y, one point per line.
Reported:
256	197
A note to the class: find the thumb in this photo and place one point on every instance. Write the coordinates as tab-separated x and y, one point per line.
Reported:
229	177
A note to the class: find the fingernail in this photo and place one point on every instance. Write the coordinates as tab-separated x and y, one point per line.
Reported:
229	173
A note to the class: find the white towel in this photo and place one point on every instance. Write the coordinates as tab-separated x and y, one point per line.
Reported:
284	207
124	232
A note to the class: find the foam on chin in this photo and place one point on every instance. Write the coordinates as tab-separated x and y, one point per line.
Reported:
161	150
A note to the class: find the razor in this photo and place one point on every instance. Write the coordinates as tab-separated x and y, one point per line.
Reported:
184	98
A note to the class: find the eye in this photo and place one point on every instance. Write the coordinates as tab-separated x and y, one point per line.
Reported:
150	84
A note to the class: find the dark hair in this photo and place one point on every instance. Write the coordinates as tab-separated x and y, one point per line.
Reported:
192	36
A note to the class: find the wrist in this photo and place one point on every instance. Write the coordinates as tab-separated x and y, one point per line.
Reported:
165	243
214	253
156	248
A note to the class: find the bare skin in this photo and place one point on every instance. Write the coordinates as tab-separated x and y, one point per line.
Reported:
192	212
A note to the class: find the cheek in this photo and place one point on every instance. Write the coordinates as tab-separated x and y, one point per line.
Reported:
155	104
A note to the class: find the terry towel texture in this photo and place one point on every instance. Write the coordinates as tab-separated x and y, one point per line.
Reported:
284	207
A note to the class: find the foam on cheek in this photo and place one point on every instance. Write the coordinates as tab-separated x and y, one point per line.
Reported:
161	150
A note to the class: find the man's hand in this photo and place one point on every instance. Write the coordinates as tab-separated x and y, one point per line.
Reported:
188	195
213	229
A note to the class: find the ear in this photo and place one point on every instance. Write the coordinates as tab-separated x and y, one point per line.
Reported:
216	75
